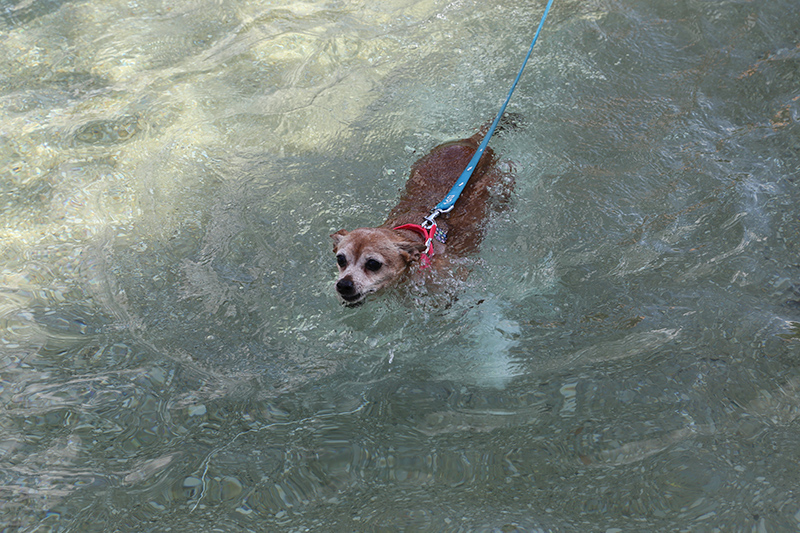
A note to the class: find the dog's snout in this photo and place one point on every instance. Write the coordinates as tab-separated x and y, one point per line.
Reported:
345	287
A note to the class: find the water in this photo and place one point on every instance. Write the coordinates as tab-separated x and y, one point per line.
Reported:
622	357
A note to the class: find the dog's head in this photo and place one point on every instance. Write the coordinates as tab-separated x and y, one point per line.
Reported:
370	259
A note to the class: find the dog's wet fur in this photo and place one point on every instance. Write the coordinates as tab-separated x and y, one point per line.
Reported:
371	259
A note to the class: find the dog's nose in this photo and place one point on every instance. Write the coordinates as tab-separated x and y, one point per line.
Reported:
345	287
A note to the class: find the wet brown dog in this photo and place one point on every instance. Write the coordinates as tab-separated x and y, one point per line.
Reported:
371	259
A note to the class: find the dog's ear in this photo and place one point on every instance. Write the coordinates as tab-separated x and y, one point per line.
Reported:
410	250
337	237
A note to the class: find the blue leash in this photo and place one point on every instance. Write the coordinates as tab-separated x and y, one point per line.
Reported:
449	201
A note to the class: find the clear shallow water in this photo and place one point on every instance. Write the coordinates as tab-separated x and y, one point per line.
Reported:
623	356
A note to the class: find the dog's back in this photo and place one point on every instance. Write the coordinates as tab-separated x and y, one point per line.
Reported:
432	178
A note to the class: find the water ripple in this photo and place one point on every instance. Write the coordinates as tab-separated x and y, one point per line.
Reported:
621	356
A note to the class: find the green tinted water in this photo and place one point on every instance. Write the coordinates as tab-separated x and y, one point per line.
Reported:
623	356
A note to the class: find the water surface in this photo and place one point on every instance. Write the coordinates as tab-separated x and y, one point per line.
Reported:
622	357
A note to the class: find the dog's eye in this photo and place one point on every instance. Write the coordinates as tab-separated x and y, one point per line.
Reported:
373	265
341	260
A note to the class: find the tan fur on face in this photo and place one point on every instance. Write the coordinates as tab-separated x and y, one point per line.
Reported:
364	248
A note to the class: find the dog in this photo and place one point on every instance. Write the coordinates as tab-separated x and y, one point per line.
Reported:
371	259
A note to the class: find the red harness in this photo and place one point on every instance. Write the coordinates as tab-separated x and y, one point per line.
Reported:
427	234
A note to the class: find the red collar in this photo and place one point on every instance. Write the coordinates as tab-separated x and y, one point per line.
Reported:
427	234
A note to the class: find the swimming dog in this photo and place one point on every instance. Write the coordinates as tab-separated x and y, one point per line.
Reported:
370	259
